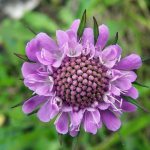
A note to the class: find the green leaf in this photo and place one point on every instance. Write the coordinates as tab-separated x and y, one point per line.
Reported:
116	38
96	30
33	112
28	27
145	59
17	105
82	25
129	128
134	102
60	138
113	40
42	22
23	57
21	79
140	84
75	142
21	103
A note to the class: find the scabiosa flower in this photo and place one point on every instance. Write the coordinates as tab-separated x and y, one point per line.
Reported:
81	82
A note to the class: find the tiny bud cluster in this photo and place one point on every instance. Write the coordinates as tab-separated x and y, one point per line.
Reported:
81	82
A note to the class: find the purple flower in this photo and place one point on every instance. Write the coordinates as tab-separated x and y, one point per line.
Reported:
80	83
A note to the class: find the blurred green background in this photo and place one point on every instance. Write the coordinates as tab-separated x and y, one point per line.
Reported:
131	18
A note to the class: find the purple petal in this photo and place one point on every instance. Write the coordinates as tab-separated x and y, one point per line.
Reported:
29	68
88	36
117	73
32	103
48	111
62	123
31	49
92	121
133	92
45	90
71	35
131	76
92	52
50	69
42	40
57	63
103	106
46	41
111	53
128	107
75	25
103	36
91	109
96	117
130	62
88	125
115	90
74	51
76	118
45	57
40	84
50	58
62	37
66	108
123	83
74	131
110	120
110	64
33	81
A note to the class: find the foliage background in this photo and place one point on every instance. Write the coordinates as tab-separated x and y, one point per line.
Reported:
131	18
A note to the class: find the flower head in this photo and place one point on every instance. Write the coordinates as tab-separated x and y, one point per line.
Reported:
80	82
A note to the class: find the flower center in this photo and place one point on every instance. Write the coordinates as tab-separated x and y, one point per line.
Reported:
81	82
